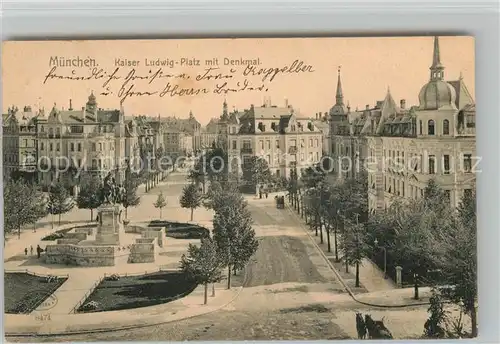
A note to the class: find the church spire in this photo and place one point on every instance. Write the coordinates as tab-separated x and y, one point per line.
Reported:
437	69
339	96
224	110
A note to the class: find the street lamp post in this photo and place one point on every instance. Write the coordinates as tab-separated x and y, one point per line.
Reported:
385	257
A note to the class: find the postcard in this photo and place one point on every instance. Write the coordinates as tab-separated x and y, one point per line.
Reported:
310	188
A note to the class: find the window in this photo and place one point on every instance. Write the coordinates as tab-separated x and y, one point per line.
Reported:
58	131
100	146
41	145
301	156
446	127
467	163
430	127
58	147
316	143
467	193
446	164
277	173
421	127
268	144
51	147
310	156
79	147
302	143
432	164
277	144
72	146
51	131
234	144
25	142
93	147
42	129
310	142
261	144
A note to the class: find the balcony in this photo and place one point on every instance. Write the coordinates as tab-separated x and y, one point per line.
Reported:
246	150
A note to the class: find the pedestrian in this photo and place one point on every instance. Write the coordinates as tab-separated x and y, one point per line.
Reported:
38	250
31	250
267	194
26	251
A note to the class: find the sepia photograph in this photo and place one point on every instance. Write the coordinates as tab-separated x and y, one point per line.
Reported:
315	188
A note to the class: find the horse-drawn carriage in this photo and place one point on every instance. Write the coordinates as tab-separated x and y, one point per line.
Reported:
280	202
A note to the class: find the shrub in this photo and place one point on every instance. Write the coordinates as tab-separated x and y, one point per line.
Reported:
50	279
113	277
91	306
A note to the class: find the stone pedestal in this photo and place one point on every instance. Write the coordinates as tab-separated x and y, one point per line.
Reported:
110	225
398	276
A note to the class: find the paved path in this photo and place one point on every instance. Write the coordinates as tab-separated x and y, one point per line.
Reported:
76	288
370	275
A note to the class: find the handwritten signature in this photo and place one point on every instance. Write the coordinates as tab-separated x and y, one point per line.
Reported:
126	83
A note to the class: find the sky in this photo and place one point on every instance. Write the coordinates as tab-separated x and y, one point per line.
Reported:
368	65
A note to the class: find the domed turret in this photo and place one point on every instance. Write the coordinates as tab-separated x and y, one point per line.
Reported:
437	93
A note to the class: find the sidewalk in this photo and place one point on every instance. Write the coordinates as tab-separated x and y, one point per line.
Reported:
370	276
186	307
75	289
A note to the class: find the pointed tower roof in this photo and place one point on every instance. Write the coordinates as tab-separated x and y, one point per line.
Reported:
339	97
339	108
436	68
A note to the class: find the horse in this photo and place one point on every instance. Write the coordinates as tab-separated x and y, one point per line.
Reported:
360	326
377	329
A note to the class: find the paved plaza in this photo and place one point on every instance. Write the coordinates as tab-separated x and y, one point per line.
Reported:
289	271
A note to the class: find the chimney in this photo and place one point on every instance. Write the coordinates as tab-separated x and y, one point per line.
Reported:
70	106
402	103
367	107
286	102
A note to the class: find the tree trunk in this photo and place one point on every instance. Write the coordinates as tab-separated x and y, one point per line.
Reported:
59	219
357	275
160	213
229	276
205	296
192	209
316	225
126	212
473	320
320	231
346	265
336	244
328	229
213	289
91	215
19	232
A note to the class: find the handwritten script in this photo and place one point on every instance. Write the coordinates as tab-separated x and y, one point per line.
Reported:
126	82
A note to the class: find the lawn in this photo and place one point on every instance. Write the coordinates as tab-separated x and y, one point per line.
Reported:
180	230
139	291
24	292
59	234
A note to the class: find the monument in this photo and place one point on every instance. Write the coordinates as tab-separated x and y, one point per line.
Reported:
110	224
113	242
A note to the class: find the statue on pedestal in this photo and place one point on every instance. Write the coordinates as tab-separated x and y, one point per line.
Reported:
111	193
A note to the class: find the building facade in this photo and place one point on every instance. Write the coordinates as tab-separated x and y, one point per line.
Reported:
62	145
283	137
403	148
19	141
